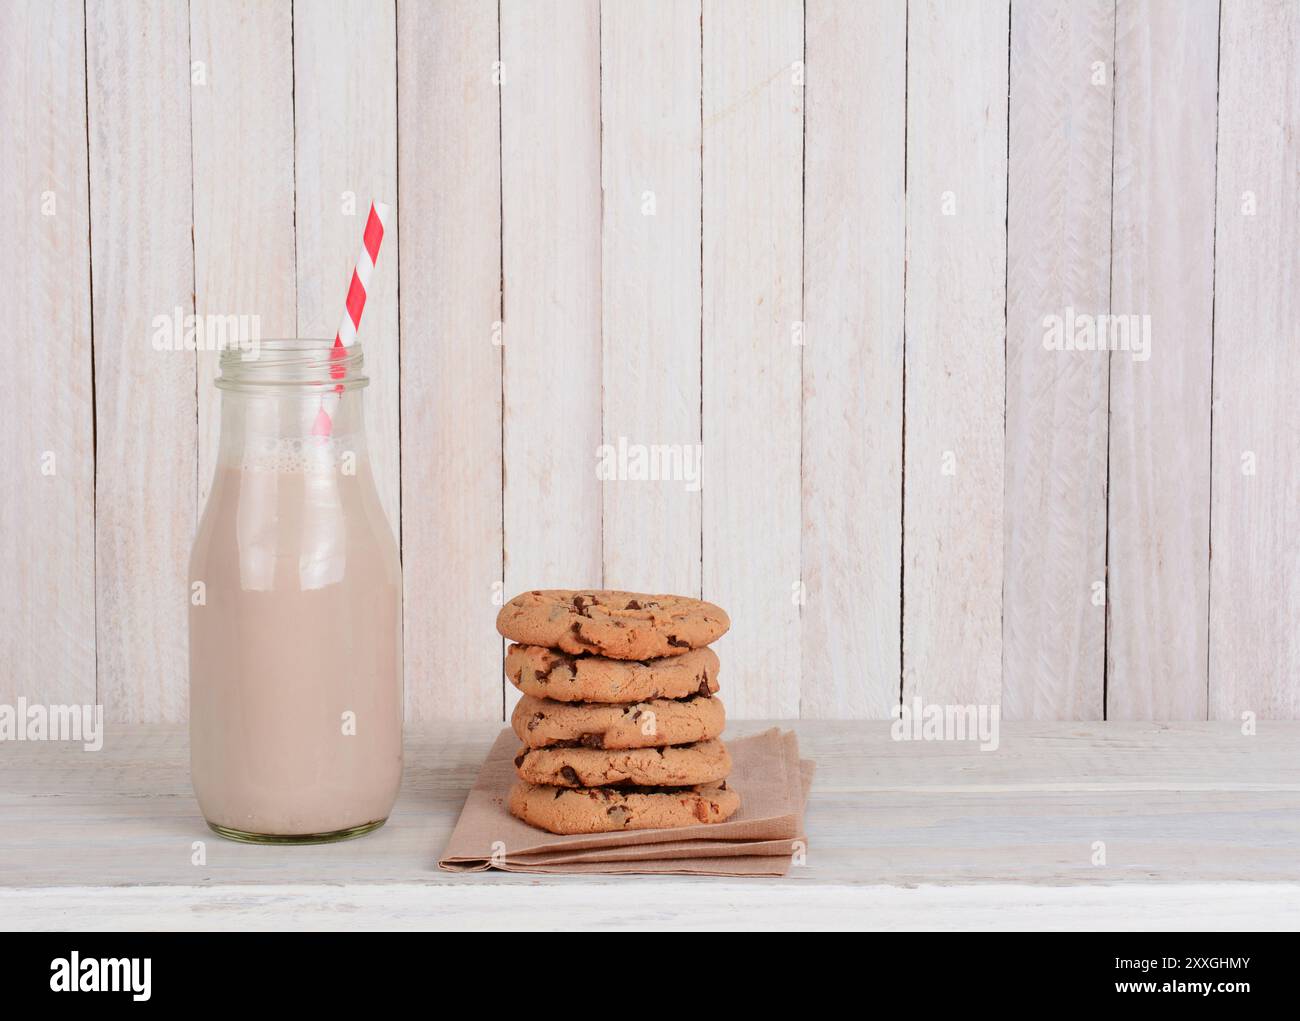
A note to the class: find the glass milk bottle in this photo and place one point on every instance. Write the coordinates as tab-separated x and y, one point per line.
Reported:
296	608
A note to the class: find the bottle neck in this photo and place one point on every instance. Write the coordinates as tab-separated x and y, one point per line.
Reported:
292	405
281	431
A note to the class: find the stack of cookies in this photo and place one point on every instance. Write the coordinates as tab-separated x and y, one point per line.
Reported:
619	723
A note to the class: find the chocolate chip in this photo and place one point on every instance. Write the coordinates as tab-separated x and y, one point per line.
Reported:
537	718
632	604
722	786
569	774
575	629
676	644
592	740
704	689
519	759
559	662
636	716
558	792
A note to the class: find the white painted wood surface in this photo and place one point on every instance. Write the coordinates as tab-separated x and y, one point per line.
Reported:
345	158
1123	824
720	906
769	228
753	169
47	510
650	290
242	135
852	447
955	334
1255	514
1058	259
450	207
1157	601
141	206
550	241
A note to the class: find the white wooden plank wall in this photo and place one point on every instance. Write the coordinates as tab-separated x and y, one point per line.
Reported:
551	229
145	399
650	286
1157	607
47	523
955	327
242	130
753	241
1255	477
449	202
1058	258
345	135
816	240
853	357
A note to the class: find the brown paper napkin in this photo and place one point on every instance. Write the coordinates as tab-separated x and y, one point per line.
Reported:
758	840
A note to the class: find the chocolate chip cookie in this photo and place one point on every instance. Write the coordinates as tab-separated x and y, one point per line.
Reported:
602	809
619	625
545	673
540	722
681	766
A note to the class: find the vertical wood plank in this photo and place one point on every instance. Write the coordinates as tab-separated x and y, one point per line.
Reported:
1058	264
450	206
138	86
955	335
753	240
550	192
650	171
1166	67
1255	511
47	528
241	101
345	128
853	357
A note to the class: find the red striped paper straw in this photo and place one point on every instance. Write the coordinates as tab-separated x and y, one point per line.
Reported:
376	224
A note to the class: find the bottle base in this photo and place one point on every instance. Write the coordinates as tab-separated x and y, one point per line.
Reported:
332	837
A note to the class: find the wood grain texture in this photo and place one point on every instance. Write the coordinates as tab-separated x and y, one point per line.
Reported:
551	237
710	905
47	526
1058	262
1255	511
650	283
753	167
1177	806
138	95
450	204
756	313
853	357
1163	266
955	335
242	135
345	136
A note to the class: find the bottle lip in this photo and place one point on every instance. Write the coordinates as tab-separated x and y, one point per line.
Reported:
292	364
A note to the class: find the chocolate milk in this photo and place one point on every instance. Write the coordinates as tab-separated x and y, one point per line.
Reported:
295	649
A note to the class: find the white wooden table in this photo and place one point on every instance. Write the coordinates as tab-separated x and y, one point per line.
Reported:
1200	827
